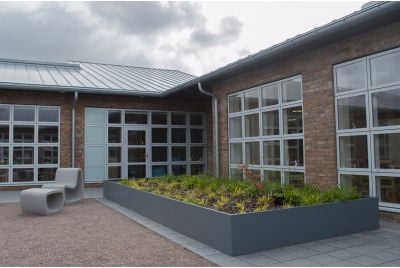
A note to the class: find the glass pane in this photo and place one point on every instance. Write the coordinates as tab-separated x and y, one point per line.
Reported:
22	174
272	176
95	155
196	135
23	155
178	170
159	154
388	189
95	135
4	113
353	151
235	103
235	127
24	114
4	155
48	115
136	155
236	154
48	155
387	151
251	125
3	175
135	118
48	134
196	169
136	171
114	117
291	90
251	99
294	178
114	155
157	171
272	153
269	95
159	135
196	153
294	152
47	174
95	116
24	134
178	153
114	172
136	137
114	135
253	174
385	69
236	174
386	108
352	112
178	135
4	134
352	76
178	119
196	119
159	118
293	120
360	182
270	123
252	153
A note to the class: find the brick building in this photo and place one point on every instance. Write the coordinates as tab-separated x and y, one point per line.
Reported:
321	108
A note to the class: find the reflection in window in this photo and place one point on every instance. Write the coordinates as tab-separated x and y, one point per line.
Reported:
251	125
236	173
196	153
157	170
48	134
4	134
23	156
4	155
272	155
235	103
351	76
114	135
48	115
178	135
136	155
269	95
385	69
178	170
387	151
294	178
236	155
24	134
114	117
251	99
272	176
135	118
252	153
4	113
294	152
360	182
48	155
386	108
46	174
114	154
235	127
353	151
178	154
22	174
3	175
114	172
24	114
291	90
352	112
270	123
293	120
388	189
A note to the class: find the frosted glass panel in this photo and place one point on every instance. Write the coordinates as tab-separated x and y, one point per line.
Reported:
95	174
95	155
95	116
95	135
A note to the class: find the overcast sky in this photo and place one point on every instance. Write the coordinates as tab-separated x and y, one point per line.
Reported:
194	37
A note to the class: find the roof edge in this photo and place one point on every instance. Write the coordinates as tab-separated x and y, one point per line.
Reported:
47	63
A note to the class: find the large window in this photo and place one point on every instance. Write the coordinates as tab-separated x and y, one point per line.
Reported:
176	143
266	132
29	143
368	126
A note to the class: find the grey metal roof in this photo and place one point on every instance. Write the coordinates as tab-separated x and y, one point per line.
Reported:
371	16
88	77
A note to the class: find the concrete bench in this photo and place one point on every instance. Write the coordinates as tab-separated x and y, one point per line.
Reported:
42	201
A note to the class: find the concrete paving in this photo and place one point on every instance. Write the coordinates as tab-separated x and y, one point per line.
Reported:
13	196
375	248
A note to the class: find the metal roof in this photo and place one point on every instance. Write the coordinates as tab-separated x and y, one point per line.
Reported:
88	77
369	17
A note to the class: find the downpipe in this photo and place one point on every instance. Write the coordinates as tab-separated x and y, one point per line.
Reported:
73	142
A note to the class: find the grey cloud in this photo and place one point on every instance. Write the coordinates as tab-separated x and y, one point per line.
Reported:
229	30
149	17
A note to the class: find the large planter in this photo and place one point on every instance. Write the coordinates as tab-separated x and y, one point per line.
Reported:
250	232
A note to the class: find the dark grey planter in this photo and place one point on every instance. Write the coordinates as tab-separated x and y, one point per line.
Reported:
250	232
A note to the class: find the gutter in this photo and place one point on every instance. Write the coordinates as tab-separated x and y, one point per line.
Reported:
73	142
216	127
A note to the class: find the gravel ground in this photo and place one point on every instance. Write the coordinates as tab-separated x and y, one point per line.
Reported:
85	234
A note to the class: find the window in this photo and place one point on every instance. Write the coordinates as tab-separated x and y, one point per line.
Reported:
159	135
159	154
368	126
159	118
267	135
196	119
178	135
114	117
135	118
178	119
29	143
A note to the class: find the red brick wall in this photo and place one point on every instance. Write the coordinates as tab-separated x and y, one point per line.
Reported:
318	96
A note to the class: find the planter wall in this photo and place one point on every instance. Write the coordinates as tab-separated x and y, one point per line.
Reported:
250	232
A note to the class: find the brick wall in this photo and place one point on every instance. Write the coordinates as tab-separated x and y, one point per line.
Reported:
318	96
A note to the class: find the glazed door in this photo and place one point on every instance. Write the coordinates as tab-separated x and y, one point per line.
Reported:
137	156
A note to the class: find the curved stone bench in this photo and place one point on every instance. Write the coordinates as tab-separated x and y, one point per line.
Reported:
42	201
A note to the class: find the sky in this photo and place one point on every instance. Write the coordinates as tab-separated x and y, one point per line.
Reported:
193	37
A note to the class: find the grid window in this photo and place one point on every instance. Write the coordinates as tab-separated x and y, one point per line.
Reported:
268	133
368	126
